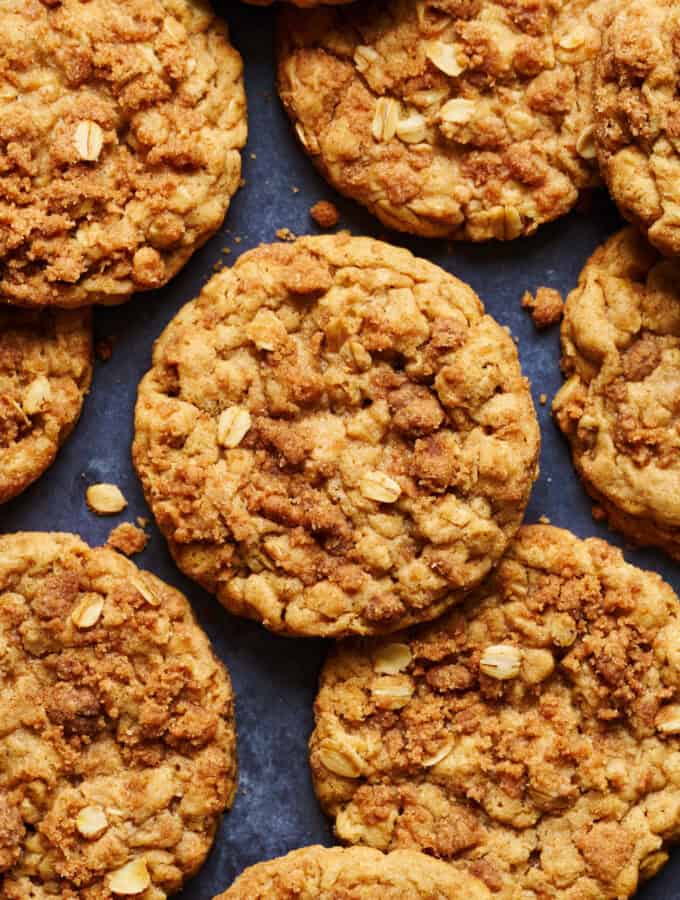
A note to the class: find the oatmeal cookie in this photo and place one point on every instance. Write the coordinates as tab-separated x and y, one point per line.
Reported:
530	734
120	128
355	873
117	742
45	372
620	404
637	112
465	119
334	438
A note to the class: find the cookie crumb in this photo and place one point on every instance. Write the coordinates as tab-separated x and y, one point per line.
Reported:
105	499
598	513
543	399
142	521
544	520
295	189
547	307
285	234
127	539
104	349
325	214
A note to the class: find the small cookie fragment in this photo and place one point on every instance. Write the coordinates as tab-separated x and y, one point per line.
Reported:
460	120
117	785
121	126
537	745
546	306
105	499
127	539
619	403
325	214
355	873
353	447
45	373
636	111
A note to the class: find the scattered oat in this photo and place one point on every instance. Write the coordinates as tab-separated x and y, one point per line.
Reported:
285	234
325	214
295	189
127	539
105	499
253	155
547	307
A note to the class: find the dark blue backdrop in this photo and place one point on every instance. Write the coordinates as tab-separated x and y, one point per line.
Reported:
275	678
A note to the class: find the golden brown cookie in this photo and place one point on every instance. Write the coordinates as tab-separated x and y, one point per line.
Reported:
334	438
355	873
620	404
531	734
45	372
465	119
120	126
637	113
117	742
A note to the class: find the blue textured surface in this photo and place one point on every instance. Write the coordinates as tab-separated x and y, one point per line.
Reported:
275	678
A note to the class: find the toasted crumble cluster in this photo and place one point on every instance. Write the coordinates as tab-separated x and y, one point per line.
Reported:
335	438
531	734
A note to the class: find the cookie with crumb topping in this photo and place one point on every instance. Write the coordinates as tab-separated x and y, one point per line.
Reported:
620	403
355	873
531	735
121	123
335	438
117	740
636	114
45	373
465	119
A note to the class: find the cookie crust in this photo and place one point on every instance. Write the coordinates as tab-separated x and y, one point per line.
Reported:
636	110
117	738
354	873
121	123
531	734
334	438
45	372
618	407
468	120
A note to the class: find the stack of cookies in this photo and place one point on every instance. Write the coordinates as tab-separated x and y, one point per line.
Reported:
337	441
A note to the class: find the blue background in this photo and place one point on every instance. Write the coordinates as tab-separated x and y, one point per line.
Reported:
275	678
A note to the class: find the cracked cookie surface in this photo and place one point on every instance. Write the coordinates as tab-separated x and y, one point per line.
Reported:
620	404
531	734
335	438
637	113
354	873
117	742
45	372
465	119
120	128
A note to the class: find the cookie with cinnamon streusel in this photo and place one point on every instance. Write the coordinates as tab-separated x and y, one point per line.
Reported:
121	123
117	743
335	438
531	735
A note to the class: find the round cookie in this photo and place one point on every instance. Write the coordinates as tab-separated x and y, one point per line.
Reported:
636	109
531	734
469	119
117	739
355	873
45	372
120	126
334	438
620	404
